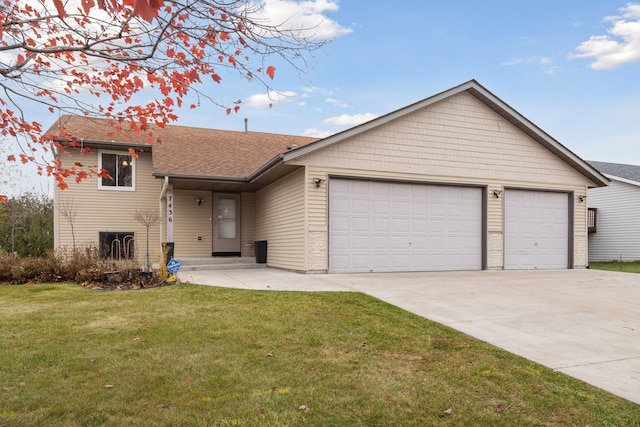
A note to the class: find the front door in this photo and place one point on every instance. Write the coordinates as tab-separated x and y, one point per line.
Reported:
226	224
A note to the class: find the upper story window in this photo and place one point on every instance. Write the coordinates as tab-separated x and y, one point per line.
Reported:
121	168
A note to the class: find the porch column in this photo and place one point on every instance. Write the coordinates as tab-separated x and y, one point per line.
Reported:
169	225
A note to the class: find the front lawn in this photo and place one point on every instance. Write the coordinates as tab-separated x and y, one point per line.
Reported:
627	267
196	355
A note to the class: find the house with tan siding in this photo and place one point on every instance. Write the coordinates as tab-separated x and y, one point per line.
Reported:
457	181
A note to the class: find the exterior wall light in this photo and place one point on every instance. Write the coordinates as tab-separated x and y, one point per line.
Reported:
318	182
497	193
581	197
199	201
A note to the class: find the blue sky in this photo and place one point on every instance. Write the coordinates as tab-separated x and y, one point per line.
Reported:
573	68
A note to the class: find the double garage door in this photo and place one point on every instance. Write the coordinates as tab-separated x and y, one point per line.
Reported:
383	226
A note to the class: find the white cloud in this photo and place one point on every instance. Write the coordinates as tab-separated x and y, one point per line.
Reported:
337	102
622	44
350	120
317	133
306	17
271	98
544	62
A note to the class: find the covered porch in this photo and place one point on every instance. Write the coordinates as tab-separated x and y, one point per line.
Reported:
211	222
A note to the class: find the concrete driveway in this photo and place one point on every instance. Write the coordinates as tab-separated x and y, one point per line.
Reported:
584	323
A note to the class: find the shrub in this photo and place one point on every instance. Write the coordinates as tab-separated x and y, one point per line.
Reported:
82	265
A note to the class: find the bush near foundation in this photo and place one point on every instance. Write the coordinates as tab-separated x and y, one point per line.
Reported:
82	265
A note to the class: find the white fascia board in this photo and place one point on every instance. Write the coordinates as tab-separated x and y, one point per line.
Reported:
620	179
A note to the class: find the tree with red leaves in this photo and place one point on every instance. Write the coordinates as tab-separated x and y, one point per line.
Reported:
91	57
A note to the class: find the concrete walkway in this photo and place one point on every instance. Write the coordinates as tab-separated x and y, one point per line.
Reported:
584	323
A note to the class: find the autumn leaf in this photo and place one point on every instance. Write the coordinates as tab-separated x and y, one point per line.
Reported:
60	8
87	5
271	71
11	158
147	9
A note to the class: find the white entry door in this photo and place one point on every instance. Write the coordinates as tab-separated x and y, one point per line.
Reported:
383	226
536	230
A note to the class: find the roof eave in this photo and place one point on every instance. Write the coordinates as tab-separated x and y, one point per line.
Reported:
528	127
234	179
621	179
94	143
266	168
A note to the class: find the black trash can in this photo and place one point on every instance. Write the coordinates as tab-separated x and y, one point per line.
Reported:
168	248
261	251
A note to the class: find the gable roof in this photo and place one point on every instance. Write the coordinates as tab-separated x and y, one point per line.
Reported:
185	151
486	97
256	157
619	171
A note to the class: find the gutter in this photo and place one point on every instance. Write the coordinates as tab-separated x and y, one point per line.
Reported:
262	170
167	175
99	144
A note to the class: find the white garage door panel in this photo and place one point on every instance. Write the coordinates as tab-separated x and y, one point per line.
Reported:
378	226
536	230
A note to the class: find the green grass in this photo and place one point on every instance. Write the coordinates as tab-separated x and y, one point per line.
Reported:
628	267
196	355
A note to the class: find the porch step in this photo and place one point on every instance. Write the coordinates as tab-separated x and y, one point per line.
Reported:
218	263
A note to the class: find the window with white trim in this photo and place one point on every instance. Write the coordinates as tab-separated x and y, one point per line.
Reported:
121	169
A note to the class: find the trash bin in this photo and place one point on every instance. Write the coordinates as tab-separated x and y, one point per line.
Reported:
261	251
168	248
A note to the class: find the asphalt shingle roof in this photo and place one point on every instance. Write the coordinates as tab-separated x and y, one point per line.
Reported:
631	172
187	151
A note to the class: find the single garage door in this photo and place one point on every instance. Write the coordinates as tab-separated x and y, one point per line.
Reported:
536	230
381	226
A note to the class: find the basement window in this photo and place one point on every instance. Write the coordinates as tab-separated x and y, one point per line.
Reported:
117	244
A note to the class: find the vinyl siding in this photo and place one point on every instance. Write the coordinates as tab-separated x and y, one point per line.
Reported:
247	225
457	141
107	210
317	255
618	232
458	137
280	220
191	221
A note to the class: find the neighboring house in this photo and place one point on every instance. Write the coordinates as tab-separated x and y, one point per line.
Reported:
457	181
615	211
